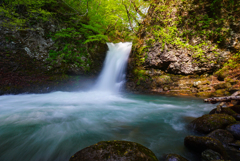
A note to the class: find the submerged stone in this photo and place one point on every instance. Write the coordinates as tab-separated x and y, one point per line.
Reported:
114	151
208	123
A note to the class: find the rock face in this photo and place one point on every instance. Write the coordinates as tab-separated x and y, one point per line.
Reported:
178	61
174	157
171	45
235	130
208	123
115	151
201	144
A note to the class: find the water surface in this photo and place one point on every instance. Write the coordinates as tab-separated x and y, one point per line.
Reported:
53	126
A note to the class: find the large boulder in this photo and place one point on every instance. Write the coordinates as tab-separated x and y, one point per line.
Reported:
234	129
208	123
174	157
223	136
209	155
228	111
202	143
114	151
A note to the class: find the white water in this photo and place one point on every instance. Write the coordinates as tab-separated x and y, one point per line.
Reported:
112	76
53	126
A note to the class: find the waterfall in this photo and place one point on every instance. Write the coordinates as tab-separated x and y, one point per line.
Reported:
112	75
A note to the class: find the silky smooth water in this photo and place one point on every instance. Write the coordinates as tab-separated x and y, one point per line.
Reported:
49	127
53	126
112	75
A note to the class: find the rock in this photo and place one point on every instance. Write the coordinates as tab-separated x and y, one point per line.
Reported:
208	123
233	152
228	111
174	157
226	85
209	155
236	108
223	136
201	143
234	129
236	116
115	151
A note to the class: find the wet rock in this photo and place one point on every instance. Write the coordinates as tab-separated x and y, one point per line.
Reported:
202	143
223	136
208	123
174	157
233	152
234	129
209	155
228	111
115	151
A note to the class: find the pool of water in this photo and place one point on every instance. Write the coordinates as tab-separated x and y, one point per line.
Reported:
53	126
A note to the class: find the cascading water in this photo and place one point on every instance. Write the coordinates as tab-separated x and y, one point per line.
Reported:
53	126
112	76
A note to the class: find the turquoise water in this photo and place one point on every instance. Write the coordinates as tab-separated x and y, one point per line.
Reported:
53	126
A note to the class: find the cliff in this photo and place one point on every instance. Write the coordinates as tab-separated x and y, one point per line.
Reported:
185	47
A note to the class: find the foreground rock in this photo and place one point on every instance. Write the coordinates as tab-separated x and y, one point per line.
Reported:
114	151
234	129
174	157
200	144
209	155
228	111
223	136
208	123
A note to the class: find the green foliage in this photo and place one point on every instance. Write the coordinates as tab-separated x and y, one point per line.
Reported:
197	26
234	62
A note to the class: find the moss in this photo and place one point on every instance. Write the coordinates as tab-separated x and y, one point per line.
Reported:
208	123
221	92
116	149
204	94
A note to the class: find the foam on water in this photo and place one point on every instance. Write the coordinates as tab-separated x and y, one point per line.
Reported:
53	126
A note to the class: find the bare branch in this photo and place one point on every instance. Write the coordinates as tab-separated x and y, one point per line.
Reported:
129	17
137	9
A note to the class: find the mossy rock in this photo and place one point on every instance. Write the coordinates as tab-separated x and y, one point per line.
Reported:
208	123
209	155
202	143
174	157
221	92
203	94
221	75
221	135
228	111
226	85
115	151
